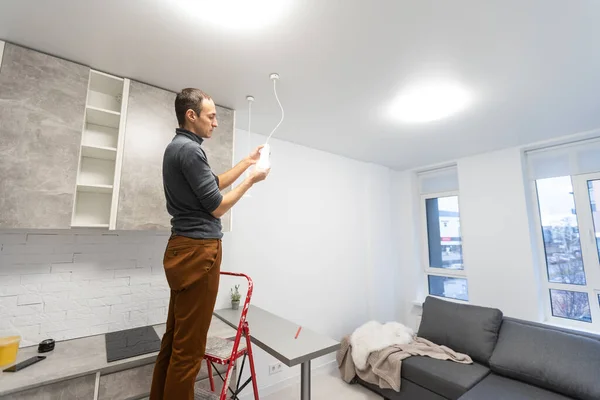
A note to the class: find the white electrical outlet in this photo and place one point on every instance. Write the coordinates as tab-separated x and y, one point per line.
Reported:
275	368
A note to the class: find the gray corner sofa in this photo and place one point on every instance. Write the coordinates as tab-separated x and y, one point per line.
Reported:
512	359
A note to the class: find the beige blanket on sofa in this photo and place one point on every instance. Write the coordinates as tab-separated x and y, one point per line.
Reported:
384	366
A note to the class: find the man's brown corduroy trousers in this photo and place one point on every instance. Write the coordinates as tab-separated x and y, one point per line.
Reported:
192	268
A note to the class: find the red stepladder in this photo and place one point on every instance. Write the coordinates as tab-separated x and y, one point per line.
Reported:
222	351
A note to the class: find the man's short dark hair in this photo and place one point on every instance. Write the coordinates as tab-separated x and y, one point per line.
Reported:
189	99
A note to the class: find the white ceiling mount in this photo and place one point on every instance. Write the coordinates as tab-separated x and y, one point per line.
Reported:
274	76
250	98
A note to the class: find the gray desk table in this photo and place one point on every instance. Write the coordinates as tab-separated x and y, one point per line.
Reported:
276	336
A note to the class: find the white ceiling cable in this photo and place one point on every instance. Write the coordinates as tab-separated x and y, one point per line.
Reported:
275	78
250	101
264	162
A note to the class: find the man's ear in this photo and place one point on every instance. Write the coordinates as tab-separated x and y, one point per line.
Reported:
191	115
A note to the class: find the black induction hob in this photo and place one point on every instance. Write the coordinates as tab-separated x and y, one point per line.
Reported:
131	343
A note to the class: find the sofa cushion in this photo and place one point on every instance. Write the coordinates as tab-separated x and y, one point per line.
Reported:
446	378
559	360
495	387
464	328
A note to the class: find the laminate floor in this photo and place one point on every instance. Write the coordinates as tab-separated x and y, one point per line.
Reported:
326	387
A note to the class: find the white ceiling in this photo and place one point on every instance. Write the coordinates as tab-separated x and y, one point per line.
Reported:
533	66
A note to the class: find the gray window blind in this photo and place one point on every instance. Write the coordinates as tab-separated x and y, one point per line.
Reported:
576	158
438	180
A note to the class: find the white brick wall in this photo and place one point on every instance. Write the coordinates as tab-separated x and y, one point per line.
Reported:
64	285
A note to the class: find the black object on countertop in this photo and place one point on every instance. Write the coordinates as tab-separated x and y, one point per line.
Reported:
25	364
46	346
131	343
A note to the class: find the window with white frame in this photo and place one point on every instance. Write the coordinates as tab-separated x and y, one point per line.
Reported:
445	274
565	181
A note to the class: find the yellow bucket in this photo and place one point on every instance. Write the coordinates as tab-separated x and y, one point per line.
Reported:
9	347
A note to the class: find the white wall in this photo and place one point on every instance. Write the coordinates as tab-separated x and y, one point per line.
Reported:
407	231
498	251
315	237
497	240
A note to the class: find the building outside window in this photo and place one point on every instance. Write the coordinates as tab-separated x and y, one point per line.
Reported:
566	188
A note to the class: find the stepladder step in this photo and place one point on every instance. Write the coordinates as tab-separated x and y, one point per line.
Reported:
201	394
219	349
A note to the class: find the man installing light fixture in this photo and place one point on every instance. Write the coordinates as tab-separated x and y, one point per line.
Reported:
192	259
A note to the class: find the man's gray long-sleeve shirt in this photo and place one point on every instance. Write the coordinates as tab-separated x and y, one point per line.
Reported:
191	188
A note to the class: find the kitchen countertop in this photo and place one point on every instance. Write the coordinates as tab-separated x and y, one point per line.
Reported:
78	357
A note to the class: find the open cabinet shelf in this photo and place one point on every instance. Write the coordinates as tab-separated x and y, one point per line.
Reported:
101	152
100	136
94	188
105	92
102	117
92	209
96	171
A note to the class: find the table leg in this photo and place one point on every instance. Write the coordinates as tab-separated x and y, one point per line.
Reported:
305	381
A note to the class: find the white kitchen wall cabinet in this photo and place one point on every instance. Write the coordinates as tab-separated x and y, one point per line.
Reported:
101	154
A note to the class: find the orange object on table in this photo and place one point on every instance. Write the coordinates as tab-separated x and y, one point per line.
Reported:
9	347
